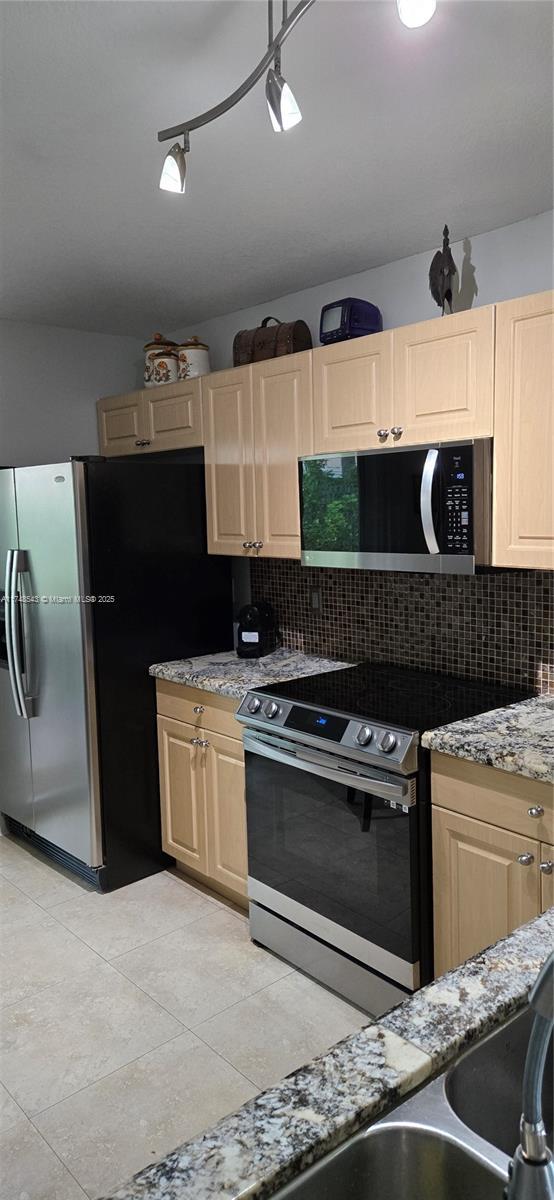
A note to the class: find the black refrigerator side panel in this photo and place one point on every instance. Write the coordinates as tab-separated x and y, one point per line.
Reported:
159	597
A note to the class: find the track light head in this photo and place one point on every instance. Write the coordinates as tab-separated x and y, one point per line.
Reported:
174	169
283	109
414	13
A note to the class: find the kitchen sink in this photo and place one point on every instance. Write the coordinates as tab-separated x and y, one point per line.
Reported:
484	1087
393	1161
452	1140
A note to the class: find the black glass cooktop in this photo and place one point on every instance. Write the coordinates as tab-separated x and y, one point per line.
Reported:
389	695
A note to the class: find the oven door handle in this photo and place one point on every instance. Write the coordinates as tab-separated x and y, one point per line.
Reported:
315	764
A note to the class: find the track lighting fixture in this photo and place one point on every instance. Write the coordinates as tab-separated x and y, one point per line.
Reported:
416	12
174	169
283	108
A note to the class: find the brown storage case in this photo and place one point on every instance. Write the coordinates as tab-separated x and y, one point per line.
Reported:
270	341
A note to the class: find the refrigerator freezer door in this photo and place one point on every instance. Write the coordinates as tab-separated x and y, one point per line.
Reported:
59	728
16	789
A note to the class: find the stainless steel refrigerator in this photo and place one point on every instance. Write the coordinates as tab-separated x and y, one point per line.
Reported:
105	571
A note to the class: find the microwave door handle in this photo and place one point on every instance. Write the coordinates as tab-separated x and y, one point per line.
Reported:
425	501
11	631
313	766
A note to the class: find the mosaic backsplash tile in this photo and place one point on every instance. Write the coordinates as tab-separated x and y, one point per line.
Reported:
497	625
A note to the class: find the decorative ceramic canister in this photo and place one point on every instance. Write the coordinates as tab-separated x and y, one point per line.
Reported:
194	358
152	350
165	366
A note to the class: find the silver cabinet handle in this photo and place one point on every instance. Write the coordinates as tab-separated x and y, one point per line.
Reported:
383	433
247	545
537	810
526	859
425	501
546	867
397	431
142	442
196	741
257	545
198	708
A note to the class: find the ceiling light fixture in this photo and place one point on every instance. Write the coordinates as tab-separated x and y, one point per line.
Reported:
174	170
287	112
414	13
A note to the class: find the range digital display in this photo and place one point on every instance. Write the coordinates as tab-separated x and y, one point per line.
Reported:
306	720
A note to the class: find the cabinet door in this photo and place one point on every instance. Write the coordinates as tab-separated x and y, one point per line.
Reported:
173	415
121	424
443	378
283	416
228	455
352	393
182	793
523	503
547	876
226	812
481	891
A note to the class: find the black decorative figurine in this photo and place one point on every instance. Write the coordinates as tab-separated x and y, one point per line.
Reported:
441	273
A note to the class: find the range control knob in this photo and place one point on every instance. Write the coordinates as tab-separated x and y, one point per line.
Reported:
271	709
364	735
254	705
387	743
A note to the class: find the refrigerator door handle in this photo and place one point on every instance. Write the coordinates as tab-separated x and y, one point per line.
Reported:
9	610
18	564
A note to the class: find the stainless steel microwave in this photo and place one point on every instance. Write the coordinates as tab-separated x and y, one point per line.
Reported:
422	508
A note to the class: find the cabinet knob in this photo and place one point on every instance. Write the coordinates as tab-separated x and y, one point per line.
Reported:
247	545
547	867
526	859
203	743
139	442
198	708
383	433
537	810
397	431
257	545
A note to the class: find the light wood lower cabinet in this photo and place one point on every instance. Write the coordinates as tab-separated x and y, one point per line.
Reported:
523	503
482	890
546	868
202	790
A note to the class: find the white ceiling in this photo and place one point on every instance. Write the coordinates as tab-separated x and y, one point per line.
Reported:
402	129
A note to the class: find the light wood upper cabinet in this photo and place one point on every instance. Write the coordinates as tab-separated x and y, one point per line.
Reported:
228	455
547	876
121	424
226	812
173	415
523	505
482	889
443	378
161	418
182	794
283	431
352	393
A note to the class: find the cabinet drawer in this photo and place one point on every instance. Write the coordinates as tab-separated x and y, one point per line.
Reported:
216	712
494	796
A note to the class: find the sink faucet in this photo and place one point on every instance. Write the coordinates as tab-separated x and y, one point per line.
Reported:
531	1170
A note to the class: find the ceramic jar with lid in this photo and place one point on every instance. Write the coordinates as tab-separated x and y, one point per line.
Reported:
160	361
194	358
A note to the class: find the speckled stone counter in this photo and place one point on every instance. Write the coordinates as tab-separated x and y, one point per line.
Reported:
282	1131
519	738
229	675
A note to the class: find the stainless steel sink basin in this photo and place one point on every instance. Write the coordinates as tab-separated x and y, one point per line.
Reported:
394	1161
484	1087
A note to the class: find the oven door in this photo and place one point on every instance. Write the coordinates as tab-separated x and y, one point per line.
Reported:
333	849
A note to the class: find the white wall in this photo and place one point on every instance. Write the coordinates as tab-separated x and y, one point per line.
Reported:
508	262
50	379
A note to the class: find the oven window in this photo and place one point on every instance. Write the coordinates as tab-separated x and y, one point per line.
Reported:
338	851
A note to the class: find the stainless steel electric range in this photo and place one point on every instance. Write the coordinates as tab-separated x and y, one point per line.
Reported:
339	822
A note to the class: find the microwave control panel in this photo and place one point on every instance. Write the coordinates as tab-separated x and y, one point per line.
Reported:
458	500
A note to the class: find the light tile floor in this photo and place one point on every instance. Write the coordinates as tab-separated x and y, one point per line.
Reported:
132	1021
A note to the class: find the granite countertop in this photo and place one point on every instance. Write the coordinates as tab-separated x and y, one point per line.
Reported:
519	738
255	1151
229	675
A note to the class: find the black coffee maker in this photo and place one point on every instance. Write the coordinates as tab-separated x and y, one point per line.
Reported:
257	632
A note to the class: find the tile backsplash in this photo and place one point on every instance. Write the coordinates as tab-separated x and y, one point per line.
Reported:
497	625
